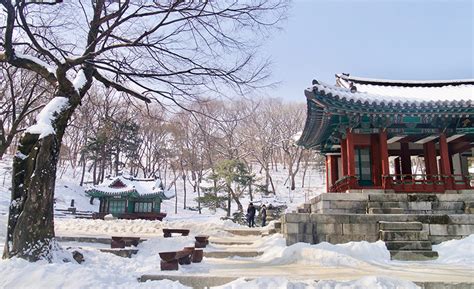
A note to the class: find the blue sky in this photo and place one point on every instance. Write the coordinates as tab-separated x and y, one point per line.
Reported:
404	39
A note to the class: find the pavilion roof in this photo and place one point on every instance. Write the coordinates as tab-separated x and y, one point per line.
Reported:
381	102
410	90
126	186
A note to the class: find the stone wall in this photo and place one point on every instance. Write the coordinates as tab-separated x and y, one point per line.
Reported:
342	228
415	203
341	218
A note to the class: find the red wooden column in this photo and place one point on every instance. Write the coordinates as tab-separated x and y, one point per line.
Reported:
331	171
386	183
445	160
376	163
350	153
405	158
344	157
429	151
328	175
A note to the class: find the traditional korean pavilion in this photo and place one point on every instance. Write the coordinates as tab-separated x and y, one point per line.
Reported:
402	136
127	197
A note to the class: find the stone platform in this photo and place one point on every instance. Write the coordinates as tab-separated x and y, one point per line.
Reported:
418	220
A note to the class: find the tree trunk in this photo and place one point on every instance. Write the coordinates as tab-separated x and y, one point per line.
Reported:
236	199
94	172
83	170
184	191
30	231
229	203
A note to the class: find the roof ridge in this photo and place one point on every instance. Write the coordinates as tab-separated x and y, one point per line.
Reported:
404	83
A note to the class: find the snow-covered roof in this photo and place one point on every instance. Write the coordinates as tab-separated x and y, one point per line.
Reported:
123	185
408	90
458	96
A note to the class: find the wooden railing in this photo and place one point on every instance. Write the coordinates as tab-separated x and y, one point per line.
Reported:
427	183
409	183
344	184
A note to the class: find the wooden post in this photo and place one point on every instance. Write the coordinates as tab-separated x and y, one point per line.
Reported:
429	151
344	156
331	171
386	183
350	154
445	161
328	175
376	163
405	158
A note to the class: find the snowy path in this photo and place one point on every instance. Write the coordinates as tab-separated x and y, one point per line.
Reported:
255	267
296	272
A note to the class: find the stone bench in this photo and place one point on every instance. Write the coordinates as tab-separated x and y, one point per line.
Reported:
201	241
167	232
122	242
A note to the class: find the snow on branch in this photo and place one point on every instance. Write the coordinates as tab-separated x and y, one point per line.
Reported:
44	120
80	80
119	87
37	61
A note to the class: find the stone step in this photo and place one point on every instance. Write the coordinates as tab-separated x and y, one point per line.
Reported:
245	232
388	197
414	255
408	245
400	226
386	205
385	211
227	254
304	208
403	235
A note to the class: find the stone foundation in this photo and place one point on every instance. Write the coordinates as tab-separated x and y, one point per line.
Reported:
341	218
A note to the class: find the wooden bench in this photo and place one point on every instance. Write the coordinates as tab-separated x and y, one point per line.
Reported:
170	261
167	232
201	241
122	242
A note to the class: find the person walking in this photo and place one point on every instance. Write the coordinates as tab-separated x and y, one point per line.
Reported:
251	215
263	213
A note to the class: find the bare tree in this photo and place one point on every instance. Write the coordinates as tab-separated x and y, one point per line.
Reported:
22	94
170	52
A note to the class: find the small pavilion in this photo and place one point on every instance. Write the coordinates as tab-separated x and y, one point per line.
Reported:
402	136
130	198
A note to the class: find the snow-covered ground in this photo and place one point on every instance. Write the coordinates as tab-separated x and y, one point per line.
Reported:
351	266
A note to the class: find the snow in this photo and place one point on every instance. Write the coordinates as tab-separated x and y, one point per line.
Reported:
326	254
80	80
460	252
282	283
141	186
460	95
38	61
452	90
44	119
105	270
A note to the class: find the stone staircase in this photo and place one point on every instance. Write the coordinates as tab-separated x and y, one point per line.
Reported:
385	204
406	241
